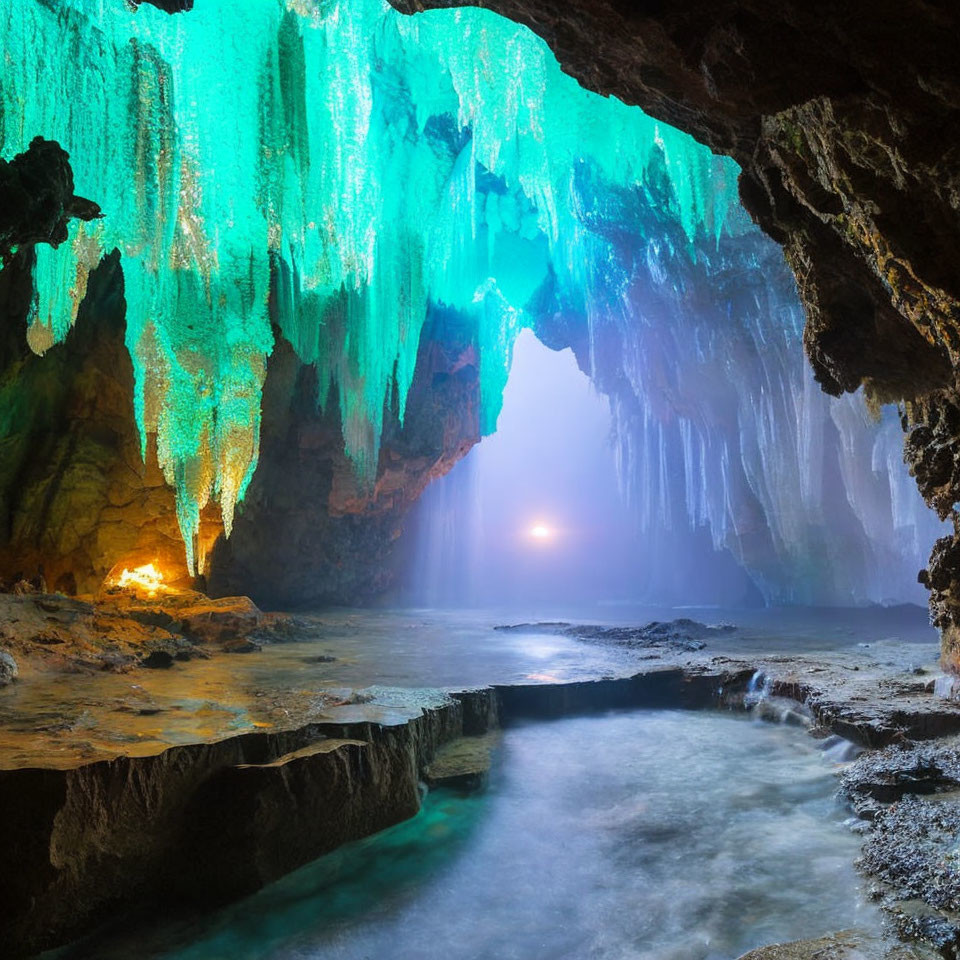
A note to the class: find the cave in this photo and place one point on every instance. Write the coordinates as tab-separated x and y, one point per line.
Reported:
479	481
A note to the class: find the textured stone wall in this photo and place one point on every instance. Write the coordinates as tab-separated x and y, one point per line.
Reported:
77	500
75	495
846	121
308	532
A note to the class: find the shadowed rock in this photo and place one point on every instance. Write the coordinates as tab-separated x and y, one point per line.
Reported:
37	199
463	764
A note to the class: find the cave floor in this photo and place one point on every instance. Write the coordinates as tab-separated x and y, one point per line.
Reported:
870	669
366	704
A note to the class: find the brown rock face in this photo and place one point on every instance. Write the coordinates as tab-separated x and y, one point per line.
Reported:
307	531
78	502
846	121
201	823
932	451
75	495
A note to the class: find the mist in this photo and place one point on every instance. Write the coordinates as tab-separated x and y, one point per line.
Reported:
536	514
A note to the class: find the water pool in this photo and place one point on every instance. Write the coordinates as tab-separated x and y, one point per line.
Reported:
649	835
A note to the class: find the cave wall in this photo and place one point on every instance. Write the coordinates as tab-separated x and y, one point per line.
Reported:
76	496
78	502
845	122
309	531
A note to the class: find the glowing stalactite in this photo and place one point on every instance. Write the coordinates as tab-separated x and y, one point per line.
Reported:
371	164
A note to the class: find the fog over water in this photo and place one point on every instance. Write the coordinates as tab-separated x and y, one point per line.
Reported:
648	835
535	513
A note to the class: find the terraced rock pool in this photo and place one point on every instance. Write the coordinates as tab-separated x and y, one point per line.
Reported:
649	835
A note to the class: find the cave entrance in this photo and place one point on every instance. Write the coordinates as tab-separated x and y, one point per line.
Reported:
537	514
696	464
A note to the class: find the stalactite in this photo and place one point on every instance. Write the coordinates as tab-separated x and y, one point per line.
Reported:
371	164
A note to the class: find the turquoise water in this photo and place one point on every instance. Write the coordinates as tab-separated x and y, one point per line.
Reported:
659	835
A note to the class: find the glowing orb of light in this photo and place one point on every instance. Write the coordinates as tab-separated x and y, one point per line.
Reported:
540	531
147	578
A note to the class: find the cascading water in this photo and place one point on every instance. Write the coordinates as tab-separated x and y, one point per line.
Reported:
665	836
448	540
534	514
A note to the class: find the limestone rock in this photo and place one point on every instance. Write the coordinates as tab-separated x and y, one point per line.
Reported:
682	634
206	821
463	764
848	945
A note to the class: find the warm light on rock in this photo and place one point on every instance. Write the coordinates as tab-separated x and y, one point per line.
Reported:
147	578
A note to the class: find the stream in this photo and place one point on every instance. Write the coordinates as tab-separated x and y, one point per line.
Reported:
648	835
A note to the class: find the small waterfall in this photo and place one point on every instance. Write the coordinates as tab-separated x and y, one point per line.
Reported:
759	688
764	705
837	749
945	686
447	530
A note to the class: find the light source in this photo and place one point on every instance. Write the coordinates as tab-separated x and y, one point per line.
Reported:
147	578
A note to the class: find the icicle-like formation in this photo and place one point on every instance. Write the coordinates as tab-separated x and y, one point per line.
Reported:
722	429
370	163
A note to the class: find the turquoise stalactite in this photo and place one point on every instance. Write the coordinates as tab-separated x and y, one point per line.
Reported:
372	164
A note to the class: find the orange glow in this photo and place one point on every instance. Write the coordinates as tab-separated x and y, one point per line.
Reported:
147	578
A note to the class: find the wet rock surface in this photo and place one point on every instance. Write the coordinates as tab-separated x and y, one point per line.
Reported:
912	851
121	630
901	770
135	763
683	634
848	945
910	794
204	822
463	764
